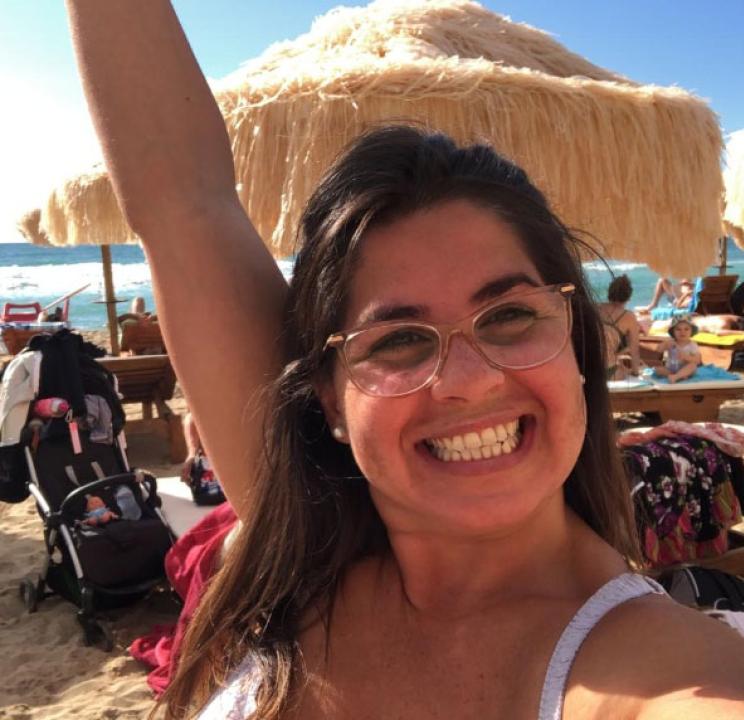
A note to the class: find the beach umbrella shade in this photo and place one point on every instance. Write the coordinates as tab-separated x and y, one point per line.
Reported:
83	210
637	166
734	180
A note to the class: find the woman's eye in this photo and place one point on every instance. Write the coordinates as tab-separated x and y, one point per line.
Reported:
507	315
400	340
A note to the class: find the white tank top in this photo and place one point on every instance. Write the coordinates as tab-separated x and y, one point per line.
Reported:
236	701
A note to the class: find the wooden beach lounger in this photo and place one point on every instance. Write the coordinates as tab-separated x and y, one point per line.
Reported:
688	401
142	337
150	380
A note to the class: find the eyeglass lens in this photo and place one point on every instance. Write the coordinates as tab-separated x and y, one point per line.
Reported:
523	331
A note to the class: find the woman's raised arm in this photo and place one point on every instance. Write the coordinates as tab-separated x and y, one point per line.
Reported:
219	293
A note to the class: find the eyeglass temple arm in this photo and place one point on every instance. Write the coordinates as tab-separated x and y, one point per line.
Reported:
334	341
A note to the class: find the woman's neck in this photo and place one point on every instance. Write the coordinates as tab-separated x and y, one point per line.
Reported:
441	575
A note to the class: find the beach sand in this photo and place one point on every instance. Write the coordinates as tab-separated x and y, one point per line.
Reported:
46	673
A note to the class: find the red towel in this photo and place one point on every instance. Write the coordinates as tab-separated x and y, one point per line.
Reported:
189	564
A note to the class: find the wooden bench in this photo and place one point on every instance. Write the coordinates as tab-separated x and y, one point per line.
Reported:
150	380
693	405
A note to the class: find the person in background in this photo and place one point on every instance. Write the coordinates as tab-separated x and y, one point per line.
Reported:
682	353
138	307
622	330
197	471
679	293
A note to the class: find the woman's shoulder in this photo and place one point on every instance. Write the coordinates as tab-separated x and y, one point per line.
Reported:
659	657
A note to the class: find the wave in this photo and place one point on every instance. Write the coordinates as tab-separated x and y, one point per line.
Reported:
617	266
24	281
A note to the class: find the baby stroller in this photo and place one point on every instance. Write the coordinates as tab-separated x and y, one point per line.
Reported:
104	533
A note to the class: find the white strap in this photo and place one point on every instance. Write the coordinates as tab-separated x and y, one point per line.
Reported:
613	593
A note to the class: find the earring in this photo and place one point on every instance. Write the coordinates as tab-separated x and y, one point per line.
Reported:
582	378
338	433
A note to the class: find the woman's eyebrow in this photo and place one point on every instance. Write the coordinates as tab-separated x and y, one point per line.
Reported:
386	313
497	287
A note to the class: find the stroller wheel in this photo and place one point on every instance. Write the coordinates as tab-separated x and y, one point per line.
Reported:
29	595
95	633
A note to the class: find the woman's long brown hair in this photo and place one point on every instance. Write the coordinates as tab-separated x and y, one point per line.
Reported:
310	515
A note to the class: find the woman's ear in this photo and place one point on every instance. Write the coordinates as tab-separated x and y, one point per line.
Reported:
328	397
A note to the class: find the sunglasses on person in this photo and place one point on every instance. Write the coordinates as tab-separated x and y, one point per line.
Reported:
518	331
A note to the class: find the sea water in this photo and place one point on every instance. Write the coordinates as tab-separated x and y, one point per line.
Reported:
42	274
29	273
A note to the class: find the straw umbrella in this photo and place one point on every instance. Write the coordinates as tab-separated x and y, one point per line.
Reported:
83	210
636	166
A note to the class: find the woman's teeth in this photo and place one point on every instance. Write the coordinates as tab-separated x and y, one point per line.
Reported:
489	442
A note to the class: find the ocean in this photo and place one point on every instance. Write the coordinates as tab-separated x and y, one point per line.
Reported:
29	273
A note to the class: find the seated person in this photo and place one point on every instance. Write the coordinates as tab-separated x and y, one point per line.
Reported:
682	354
197	471
679	294
621	330
137	313
147	338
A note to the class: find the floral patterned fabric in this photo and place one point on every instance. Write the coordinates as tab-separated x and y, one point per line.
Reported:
684	496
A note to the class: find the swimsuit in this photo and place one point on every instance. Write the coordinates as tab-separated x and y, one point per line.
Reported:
613	331
622	337
674	361
236	700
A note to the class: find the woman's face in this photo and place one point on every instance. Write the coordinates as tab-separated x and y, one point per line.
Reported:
442	264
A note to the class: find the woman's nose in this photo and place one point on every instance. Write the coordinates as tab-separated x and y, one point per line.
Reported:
465	374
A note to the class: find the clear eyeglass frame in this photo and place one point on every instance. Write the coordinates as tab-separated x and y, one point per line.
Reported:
444	331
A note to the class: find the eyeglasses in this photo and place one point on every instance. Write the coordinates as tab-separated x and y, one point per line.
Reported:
519	331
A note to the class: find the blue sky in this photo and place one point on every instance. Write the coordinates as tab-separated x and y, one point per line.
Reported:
45	133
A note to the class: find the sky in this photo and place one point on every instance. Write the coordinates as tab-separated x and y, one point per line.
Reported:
46	135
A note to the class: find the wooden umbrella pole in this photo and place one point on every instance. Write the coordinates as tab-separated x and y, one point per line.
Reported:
108	283
722	254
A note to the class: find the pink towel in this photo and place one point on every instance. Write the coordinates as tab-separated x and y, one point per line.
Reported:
727	440
189	564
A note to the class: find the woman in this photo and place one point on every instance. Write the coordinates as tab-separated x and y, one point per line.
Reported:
621	328
383	569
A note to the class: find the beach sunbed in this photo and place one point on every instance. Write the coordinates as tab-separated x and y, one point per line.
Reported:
715	295
691	400
151	381
142	336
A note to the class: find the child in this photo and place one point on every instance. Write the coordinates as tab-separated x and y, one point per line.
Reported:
682	355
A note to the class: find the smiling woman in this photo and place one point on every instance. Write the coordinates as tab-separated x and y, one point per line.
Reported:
434	513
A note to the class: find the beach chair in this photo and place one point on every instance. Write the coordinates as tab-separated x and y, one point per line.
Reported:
141	336
150	381
715	295
20	312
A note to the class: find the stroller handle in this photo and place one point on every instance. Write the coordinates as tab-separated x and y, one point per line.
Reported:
129	478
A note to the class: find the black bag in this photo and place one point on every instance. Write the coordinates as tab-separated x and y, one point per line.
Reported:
705	588
13	474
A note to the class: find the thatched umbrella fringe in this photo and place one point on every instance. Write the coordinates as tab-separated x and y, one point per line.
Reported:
651	171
